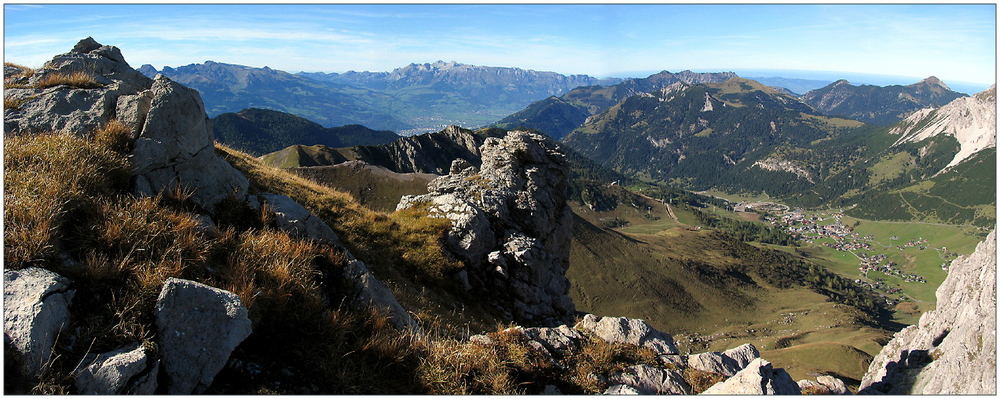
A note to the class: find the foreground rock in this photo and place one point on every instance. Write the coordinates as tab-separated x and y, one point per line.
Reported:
824	385
952	350
511	225
726	363
199	326
173	142
175	147
758	378
35	309
629	331
648	380
124	371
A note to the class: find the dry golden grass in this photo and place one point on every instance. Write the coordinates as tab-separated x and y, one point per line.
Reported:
46	178
12	103
69	209
24	71
815	390
701	380
407	238
78	79
114	135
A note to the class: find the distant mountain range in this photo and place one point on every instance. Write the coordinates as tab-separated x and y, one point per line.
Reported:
231	88
701	135
881	105
557	116
744	137
417	97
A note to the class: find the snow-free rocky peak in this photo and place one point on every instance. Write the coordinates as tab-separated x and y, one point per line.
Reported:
970	120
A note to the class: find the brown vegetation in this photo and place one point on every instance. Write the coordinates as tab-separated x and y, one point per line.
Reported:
78	79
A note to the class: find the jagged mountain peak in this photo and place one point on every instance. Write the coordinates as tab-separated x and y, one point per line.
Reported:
932	81
970	120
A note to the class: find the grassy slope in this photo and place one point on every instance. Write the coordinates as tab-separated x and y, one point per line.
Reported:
677	280
402	248
373	186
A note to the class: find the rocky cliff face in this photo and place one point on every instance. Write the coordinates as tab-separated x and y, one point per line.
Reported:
425	153
510	225
952	350
970	120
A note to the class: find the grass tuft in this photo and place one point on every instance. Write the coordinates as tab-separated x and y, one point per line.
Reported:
79	79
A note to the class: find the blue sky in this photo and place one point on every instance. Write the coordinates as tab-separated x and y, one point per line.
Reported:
955	43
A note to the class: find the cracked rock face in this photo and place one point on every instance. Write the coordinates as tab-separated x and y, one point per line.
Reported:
199	326
648	380
35	309
952	349
510	225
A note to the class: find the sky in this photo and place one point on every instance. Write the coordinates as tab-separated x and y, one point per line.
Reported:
952	42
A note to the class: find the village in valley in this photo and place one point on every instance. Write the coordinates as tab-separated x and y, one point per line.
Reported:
830	229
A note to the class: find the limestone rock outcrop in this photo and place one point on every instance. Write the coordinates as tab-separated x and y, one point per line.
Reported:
175	147
629	331
35	309
666	375
649	380
199	326
173	141
511	225
63	108
824	385
758	378
727	363
127	370
952	349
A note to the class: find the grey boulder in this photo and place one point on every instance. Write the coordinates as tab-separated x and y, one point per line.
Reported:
628	331
124	371
296	220
758	378
175	147
726	363
649	380
35	309
199	326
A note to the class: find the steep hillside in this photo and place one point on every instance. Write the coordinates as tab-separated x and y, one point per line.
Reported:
934	166
230	88
970	120
373	186
876	104
572	109
424	153
707	135
260	131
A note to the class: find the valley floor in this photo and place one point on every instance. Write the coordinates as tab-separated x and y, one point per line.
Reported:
653	255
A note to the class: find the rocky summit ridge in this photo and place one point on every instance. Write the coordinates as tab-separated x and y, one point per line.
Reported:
510	224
